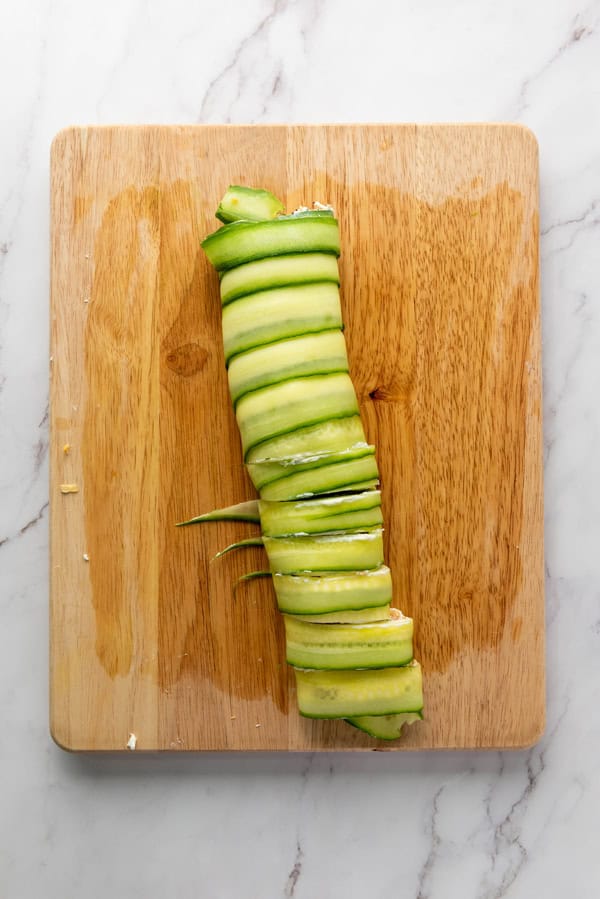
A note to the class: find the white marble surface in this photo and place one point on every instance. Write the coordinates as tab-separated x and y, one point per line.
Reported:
475	826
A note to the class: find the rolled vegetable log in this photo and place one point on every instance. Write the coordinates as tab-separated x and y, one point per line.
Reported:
306	452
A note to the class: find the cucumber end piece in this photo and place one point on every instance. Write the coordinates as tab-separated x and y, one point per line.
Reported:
248	204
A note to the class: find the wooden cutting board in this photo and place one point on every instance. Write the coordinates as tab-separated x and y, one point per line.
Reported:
440	297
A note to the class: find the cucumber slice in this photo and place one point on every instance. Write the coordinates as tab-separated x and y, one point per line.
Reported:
351	694
311	354
249	204
385	727
319	516
327	436
314	595
279	271
264	471
381	644
350	616
332	552
357	474
291	405
273	315
242	242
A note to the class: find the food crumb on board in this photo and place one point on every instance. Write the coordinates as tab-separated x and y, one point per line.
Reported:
132	742
67	449
258	725
86	558
232	717
69	488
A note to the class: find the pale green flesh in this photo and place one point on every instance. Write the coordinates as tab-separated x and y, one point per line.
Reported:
351	694
278	271
349	616
291	405
335	552
381	644
326	479
264	471
327	436
310	354
248	204
318	516
310	595
385	727
274	315
242	242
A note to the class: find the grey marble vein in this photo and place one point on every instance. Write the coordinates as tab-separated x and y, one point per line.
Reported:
294	875
583	26
431	830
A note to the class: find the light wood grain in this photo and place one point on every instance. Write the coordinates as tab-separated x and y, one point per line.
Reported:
440	297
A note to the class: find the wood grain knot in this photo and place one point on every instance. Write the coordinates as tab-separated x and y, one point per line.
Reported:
187	360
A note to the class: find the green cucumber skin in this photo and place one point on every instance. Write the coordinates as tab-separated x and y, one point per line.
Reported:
302	594
291	405
296	357
248	204
383	644
365	660
278	271
279	314
364	692
329	436
385	727
344	552
241	242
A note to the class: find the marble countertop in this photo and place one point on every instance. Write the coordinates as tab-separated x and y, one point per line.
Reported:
425	826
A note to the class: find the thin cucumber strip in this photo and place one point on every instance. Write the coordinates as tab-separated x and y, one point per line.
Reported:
273	315
310	354
349	616
239	544
264	471
340	476
333	552
352	694
327	436
330	593
385	727
248	204
278	271
247	511
242	242
321	515
380	644
286	407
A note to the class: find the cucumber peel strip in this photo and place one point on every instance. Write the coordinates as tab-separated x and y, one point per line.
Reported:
247	511
239	544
